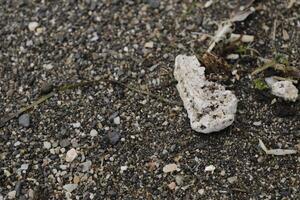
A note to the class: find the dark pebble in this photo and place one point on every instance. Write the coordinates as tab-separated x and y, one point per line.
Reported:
24	120
46	88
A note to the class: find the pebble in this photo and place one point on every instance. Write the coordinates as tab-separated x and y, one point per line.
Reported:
71	155
201	191
117	120
48	66
232	179
170	168
179	180
11	195
210	168
93	133
24	120
64	143
17	143
258	123
86	166
46	88
70	187
76	125
24	166
154	3
113	137
32	26
47	145
123	168
172	185
149	45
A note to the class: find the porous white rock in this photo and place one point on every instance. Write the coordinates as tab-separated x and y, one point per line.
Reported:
283	89
210	107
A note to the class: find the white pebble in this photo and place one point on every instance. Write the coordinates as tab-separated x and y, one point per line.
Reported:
117	120
93	133
32	26
47	145
71	155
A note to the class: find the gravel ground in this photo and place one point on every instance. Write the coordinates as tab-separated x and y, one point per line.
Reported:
109	142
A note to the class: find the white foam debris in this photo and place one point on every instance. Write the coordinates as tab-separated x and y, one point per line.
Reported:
284	89
210	107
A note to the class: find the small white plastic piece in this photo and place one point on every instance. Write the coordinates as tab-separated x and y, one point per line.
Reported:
210	107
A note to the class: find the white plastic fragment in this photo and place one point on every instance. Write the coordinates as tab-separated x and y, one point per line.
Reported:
276	152
284	89
210	107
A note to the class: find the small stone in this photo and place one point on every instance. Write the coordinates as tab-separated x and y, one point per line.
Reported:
149	45
179	180
123	168
48	66
86	166
285	35
71	155
47	145
93	133
24	120
257	123
232	179
70	187
117	120
222	173
17	143
11	195
32	26
76	125
76	180
172	185
24	167
154	3
113	137
64	143
210	168
46	88
201	191
170	168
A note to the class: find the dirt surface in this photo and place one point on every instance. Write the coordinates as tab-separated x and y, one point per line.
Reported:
129	136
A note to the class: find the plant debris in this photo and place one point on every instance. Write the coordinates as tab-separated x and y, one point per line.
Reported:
276	152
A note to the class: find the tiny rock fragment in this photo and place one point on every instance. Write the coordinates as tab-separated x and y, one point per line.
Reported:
285	35
232	179
123	168
283	89
208	3
32	26
11	195
210	107
93	133
24	120
113	137
149	45
172	185
210	168
70	187
170	168
71	155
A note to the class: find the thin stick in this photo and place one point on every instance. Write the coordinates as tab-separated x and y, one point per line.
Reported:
148	93
74	86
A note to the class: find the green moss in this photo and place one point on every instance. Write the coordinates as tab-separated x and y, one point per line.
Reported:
260	84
